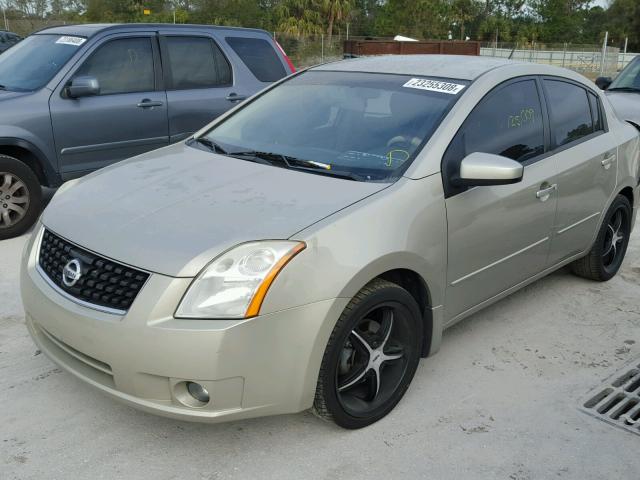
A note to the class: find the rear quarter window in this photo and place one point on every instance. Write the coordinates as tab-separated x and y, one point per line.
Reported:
259	56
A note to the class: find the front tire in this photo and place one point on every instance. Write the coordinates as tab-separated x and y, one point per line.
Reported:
605	257
20	197
371	356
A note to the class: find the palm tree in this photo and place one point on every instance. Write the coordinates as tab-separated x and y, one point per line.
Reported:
337	10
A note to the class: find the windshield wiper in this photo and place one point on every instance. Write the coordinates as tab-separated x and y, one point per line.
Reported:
624	89
211	145
296	164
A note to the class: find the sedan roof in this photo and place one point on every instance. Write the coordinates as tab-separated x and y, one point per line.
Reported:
463	67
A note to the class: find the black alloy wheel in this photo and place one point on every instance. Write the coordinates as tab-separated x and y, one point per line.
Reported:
371	357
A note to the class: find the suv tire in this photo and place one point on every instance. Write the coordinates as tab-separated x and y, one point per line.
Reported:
20	197
378	336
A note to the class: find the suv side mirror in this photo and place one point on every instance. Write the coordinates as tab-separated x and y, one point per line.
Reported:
84	86
604	82
478	169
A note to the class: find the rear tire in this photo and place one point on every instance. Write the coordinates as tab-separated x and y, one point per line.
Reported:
20	197
605	257
371	356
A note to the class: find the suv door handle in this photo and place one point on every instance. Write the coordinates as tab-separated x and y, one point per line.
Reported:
544	194
234	97
146	103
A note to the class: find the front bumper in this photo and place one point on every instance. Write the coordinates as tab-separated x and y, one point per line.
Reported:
262	366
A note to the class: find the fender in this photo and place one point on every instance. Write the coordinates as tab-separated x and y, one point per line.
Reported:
49	177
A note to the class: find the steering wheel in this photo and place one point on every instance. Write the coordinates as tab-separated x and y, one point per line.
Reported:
404	141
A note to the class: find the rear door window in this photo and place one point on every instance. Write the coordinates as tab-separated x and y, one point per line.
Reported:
196	62
259	56
122	66
570	112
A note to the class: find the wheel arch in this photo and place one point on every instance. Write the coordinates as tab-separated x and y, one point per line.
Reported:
413	283
628	193
31	156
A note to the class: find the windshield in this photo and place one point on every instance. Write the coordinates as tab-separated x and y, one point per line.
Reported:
367	126
629	78
30	64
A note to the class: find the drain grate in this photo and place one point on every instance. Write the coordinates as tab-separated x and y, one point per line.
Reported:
617	401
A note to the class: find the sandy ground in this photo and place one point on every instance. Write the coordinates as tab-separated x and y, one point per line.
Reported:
498	402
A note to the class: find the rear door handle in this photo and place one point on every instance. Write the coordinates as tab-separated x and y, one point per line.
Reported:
544	194
146	103
234	97
609	158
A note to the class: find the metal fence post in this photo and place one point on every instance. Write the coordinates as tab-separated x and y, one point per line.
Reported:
604	53
322	47
564	54
4	15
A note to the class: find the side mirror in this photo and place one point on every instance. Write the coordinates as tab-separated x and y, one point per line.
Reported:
83	86
478	169
604	82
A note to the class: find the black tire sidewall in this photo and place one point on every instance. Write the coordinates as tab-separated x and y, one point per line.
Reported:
24	173
617	203
388	294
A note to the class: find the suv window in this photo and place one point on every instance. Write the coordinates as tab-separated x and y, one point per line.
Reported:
259	57
508	122
570	111
122	66
196	62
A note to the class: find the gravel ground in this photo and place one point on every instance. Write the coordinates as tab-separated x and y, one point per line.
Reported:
498	402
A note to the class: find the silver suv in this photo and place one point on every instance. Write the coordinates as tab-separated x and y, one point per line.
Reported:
77	98
308	247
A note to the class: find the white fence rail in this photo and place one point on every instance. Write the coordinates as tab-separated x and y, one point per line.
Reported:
585	61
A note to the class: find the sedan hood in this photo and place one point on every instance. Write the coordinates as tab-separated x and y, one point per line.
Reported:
173	210
626	105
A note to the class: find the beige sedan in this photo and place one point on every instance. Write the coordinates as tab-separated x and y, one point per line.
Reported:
309	247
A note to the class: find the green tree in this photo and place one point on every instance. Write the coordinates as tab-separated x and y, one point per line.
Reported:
335	11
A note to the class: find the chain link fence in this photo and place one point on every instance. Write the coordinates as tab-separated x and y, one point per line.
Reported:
586	59
307	50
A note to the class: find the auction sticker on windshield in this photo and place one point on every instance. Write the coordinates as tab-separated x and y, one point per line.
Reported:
434	86
75	41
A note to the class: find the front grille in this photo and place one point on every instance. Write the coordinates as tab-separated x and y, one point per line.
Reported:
102	282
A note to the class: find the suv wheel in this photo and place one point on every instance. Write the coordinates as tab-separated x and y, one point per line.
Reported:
20	197
371	357
605	257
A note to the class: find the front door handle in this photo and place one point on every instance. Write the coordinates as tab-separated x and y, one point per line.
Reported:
544	193
234	97
609	158
146	103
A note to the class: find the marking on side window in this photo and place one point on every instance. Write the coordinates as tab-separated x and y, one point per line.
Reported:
527	116
75	41
434	86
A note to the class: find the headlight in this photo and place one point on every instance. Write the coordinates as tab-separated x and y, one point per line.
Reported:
235	284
